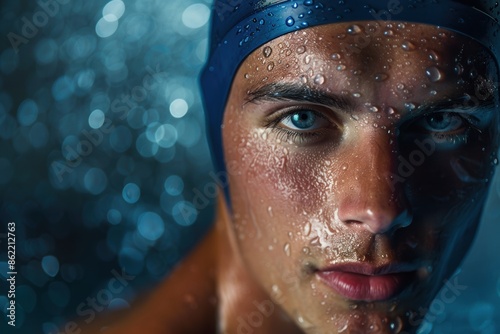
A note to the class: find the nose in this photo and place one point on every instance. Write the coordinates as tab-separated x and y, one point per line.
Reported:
370	199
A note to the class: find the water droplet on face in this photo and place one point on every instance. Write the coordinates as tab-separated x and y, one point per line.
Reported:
319	79
400	86
408	46
336	56
459	69
247	76
267	51
270	211
290	21
356	95
396	325
286	249
305	250
401	26
434	74
410	106
301	49
303	322
341	36
345	167
433	92
307	229
354	29
341	68
373	109
303	79
307	59
276	291
389	33
191	301
315	241
270	67
379	77
433	56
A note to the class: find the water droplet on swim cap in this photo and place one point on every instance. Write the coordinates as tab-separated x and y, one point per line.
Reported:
290	21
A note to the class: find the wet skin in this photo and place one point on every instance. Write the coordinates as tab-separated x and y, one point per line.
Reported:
358	172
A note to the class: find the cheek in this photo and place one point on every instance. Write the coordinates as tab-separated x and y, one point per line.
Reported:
278	177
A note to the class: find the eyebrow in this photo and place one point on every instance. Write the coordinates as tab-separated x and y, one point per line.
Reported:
303	93
299	93
467	105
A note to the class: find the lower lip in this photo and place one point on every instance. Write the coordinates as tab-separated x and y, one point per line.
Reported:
366	288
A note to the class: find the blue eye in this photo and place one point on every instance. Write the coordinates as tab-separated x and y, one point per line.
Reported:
301	120
443	122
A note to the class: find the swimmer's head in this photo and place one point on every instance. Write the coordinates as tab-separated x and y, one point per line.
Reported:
239	27
359	157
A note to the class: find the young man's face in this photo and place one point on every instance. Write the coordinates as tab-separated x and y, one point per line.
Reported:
360	156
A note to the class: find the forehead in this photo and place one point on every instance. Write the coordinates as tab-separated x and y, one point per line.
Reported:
393	61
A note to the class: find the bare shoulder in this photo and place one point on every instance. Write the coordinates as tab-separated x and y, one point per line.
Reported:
184	303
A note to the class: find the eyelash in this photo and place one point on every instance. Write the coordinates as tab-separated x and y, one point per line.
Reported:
469	123
286	135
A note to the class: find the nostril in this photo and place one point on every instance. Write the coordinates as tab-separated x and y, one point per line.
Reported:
382	220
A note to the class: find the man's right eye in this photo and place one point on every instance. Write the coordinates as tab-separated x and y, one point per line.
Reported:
303	120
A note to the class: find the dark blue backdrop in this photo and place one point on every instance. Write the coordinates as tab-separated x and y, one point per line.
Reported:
104	165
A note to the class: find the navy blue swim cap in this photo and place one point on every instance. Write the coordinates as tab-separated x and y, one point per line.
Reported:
241	26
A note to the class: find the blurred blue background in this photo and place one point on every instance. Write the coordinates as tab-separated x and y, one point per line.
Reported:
104	164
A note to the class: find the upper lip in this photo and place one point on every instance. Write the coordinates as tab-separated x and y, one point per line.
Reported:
364	268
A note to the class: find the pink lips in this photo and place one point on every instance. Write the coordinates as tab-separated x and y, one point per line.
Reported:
363	282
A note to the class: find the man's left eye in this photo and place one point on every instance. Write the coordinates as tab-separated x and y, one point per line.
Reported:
442	122
303	120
